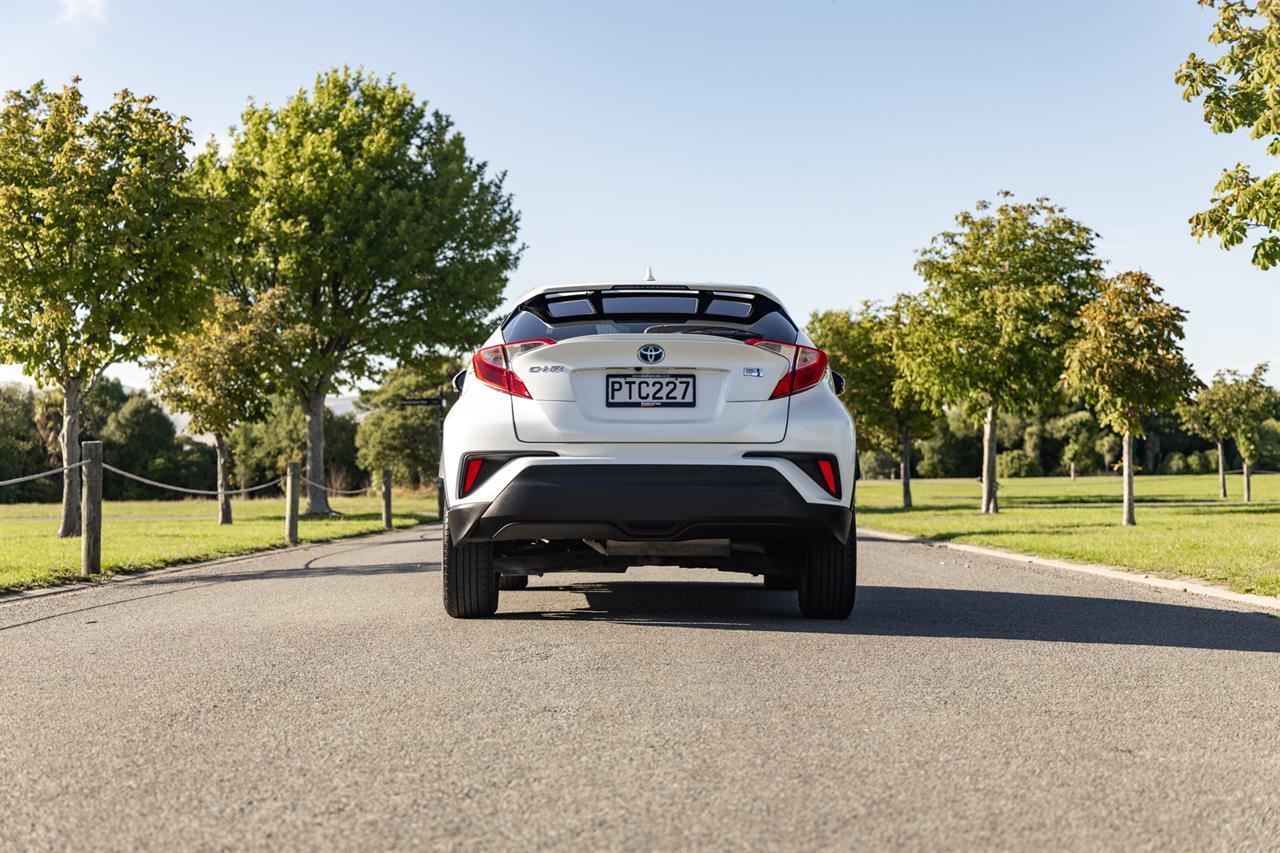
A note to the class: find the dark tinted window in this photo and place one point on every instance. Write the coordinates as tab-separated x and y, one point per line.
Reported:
604	313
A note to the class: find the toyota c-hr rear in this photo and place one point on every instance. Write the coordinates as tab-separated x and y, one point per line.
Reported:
606	426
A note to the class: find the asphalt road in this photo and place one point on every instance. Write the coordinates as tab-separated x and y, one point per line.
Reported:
320	699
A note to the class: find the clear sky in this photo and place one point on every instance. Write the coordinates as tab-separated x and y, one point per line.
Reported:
809	148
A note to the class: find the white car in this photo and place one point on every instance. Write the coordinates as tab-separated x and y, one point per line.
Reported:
605	426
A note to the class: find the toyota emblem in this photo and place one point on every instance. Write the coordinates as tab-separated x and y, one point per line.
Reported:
651	354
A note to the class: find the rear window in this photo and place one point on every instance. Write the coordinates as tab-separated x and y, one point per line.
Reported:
649	305
562	316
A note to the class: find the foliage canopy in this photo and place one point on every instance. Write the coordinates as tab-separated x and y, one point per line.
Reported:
1239	91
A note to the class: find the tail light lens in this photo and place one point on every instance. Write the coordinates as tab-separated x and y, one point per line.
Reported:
492	365
808	365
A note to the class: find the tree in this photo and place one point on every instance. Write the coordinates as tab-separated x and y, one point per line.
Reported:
1207	415
1245	402
1078	432
404	439
219	373
99	231
22	450
388	240
861	348
134	436
989	329
1238	89
1126	361
263	449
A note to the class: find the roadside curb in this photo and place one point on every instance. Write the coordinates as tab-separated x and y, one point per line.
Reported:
7	598
1095	569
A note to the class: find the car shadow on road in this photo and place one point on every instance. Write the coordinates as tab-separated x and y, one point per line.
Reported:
916	612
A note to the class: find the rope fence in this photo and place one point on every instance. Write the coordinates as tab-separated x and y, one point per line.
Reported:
91	498
183	489
334	491
27	479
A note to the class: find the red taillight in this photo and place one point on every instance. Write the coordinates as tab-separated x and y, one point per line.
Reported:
492	365
473	471
808	365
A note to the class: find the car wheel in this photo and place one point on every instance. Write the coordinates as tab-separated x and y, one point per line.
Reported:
829	579
470	583
783	582
513	581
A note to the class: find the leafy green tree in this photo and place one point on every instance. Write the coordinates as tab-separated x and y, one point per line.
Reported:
1246	402
133	438
22	450
1017	463
219	373
989	330
1078	432
1239	91
1110	448
107	399
950	447
261	450
1127	362
99	231
861	348
404	439
389	240
1269	444
1208	415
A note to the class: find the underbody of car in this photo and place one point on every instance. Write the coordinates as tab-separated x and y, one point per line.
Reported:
607	426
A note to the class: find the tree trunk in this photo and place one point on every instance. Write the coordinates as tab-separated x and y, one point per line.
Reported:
906	468
1248	476
1151	454
313	409
990	502
1128	520
69	440
1073	472
224	494
1222	471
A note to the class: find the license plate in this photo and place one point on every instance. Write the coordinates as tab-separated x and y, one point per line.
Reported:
649	390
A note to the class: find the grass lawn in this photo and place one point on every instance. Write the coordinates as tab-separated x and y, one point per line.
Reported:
139	535
1182	530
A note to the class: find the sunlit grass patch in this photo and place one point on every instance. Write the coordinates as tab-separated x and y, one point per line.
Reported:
1182	530
139	535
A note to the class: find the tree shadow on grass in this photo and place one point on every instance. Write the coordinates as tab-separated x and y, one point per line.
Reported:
912	612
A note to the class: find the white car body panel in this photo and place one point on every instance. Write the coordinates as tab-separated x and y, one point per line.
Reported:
567	416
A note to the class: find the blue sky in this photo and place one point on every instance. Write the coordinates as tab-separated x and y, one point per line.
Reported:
809	148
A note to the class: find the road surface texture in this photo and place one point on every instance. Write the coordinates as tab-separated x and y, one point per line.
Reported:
320	699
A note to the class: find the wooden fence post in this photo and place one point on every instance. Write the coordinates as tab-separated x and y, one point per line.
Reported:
386	498
292	482
91	509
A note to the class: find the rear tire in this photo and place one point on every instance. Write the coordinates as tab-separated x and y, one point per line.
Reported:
469	581
829	579
513	581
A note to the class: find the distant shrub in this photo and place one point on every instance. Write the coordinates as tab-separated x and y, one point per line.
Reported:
1269	445
1016	463
876	464
1174	463
1198	463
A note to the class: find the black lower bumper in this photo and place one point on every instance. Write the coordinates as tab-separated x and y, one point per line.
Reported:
660	503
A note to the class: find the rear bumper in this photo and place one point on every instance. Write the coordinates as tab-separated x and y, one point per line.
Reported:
659	503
